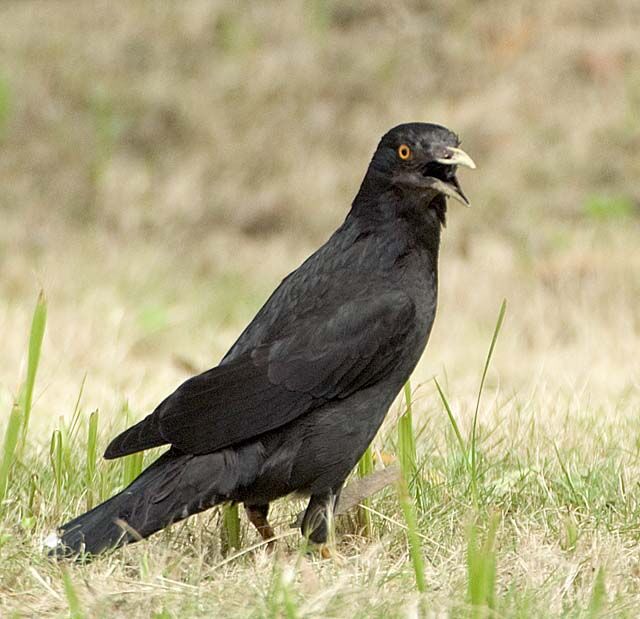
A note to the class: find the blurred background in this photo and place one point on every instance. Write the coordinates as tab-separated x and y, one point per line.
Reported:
163	165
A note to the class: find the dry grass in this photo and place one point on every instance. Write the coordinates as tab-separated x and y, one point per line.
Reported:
165	164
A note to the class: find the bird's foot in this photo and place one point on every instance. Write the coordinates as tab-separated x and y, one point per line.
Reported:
258	518
325	552
329	552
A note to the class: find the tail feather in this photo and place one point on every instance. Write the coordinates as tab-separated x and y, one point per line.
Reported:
171	489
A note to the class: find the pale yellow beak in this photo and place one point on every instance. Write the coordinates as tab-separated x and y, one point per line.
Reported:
456	156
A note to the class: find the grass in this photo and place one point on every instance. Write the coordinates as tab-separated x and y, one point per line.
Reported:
481	570
18	426
35	344
11	437
92	458
5	105
75	611
546	525
413	537
165	167
600	207
469	448
366	467
232	528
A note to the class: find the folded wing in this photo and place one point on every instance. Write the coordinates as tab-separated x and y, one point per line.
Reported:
321	357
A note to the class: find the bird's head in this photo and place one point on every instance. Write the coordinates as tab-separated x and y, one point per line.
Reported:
419	161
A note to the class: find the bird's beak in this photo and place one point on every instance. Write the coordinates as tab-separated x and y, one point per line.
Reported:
451	187
456	156
425	176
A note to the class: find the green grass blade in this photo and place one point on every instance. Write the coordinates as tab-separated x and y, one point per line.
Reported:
231	528
5	105
75	610
75	417
406	439
11	437
474	450
481	569
365	467
413	537
454	423
598	596
56	457
33	490
494	339
36	336
281	600
567	475
131	467
92	454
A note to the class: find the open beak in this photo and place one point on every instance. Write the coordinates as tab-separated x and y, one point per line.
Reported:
438	173
451	187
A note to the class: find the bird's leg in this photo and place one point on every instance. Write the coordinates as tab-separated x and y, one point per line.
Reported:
315	522
257	515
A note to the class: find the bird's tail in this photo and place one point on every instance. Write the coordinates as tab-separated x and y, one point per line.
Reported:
171	489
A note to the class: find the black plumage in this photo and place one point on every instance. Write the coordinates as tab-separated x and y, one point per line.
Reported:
301	394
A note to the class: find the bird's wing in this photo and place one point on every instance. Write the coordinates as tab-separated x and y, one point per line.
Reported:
323	357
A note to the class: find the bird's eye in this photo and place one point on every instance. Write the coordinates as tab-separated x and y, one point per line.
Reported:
404	152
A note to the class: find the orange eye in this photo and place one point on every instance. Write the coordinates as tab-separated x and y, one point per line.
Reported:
404	152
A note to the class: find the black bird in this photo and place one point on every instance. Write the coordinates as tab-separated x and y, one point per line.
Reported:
301	394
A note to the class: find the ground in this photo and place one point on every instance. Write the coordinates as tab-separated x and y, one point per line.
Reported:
165	165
